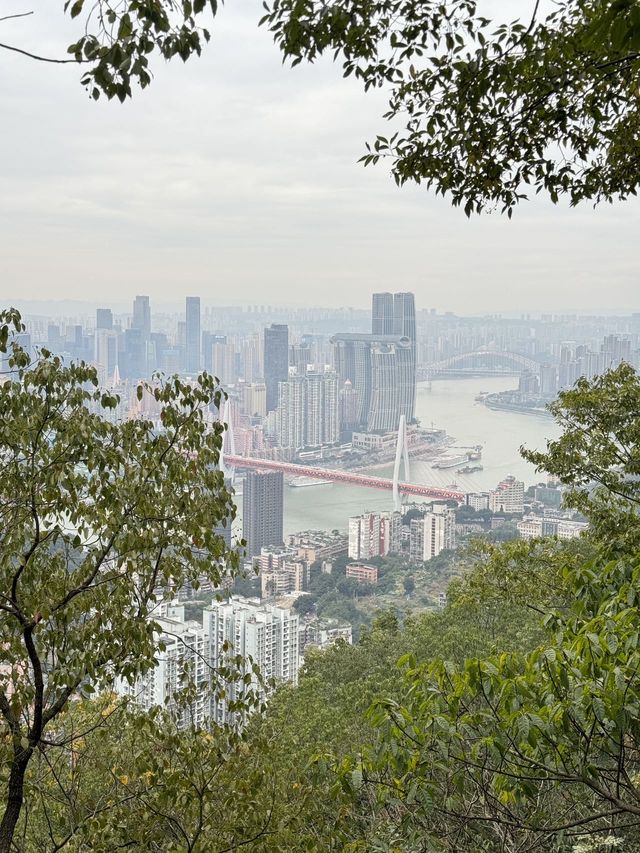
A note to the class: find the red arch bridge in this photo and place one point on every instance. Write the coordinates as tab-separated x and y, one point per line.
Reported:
348	477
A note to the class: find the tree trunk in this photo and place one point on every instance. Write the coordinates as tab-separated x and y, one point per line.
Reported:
15	797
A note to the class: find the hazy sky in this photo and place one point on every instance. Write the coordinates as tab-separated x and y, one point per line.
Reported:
236	178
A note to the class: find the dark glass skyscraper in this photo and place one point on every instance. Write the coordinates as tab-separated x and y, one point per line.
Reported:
192	335
276	361
262	510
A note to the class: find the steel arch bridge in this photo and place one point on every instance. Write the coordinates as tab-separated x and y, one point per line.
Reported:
522	362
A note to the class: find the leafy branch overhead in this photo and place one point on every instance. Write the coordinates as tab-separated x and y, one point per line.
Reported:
484	112
487	112
120	37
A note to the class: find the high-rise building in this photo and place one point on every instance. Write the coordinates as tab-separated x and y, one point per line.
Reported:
142	316
106	353
104	318
262	510
374	535
266	634
381	370
254	399
307	413
508	496
382	315
276	361
404	316
185	651
439	530
192	335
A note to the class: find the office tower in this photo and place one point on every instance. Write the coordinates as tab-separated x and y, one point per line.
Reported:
300	358
276	361
192	335
104	318
142	316
404	316
382	314
404	324
106	353
381	370
263	633
133	361
262	510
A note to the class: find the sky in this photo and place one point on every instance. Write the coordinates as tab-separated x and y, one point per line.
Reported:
236	178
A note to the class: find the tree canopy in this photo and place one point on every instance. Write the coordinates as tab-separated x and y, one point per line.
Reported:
100	522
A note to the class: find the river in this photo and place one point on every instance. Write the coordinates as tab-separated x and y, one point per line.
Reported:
450	405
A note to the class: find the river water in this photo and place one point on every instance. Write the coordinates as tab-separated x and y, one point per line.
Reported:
450	405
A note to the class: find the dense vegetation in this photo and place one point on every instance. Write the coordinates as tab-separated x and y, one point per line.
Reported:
508	721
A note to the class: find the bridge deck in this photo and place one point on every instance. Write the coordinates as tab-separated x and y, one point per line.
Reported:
348	477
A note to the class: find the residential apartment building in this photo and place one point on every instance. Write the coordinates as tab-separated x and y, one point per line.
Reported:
265	633
508	496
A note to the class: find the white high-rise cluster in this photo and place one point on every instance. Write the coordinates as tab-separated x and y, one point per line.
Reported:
193	653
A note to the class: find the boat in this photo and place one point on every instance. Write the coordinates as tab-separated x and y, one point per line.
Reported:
469	469
303	482
450	461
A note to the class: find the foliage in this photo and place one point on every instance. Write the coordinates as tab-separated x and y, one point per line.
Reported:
485	112
516	751
304	604
598	454
98	520
131	779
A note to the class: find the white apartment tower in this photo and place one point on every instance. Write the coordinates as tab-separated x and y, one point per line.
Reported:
267	634
508	496
439	530
183	662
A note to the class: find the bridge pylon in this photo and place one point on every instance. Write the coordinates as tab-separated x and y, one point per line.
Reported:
228	443
402	454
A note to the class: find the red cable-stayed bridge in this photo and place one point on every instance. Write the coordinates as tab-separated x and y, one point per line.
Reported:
336	476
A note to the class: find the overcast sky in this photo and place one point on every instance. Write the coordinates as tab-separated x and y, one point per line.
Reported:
236	178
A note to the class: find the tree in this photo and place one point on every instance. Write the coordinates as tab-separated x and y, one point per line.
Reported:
118	39
99	520
487	112
304	604
409	584
517	751
598	454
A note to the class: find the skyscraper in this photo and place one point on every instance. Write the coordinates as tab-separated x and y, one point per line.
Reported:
382	317
276	361
404	316
142	316
262	510
381	370
104	318
307	413
192	334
